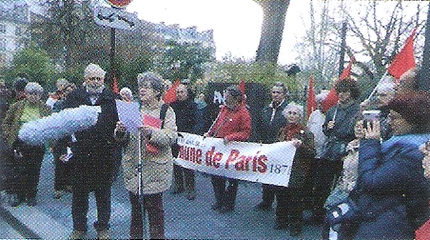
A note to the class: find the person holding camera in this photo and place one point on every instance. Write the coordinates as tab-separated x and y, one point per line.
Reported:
339	129
391	194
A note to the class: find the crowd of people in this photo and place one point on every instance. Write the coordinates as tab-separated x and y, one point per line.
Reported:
363	177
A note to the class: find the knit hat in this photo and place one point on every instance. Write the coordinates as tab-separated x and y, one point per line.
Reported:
413	107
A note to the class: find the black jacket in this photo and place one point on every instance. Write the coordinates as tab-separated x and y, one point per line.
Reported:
268	130
92	161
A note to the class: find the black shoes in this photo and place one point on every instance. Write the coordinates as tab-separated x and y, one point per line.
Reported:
222	209
226	209
14	200
280	226
31	202
295	230
263	207
216	206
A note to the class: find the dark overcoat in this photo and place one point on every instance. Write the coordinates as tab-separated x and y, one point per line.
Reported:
92	161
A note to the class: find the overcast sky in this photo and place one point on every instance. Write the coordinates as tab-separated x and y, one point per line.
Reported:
236	23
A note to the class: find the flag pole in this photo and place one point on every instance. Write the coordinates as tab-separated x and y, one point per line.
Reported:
380	80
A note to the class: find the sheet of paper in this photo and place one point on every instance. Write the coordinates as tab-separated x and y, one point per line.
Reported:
129	114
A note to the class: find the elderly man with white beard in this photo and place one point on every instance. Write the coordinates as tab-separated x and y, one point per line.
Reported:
92	161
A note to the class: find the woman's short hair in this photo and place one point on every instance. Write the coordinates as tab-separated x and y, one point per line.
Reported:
33	87
414	107
294	106
348	85
154	80
235	92
281	85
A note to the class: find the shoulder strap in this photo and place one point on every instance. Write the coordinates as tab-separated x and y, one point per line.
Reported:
163	112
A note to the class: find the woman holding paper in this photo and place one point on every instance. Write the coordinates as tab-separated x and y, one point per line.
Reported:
154	157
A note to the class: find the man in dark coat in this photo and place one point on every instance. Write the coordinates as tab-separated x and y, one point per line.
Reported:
268	128
186	118
92	161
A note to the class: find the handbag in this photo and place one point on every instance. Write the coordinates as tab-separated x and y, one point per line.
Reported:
334	149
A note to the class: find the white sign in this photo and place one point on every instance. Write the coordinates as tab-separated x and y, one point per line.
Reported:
115	18
264	163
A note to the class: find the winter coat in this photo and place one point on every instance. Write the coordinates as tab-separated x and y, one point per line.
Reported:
232	124
315	125
12	123
92	160
267	127
302	161
392	192
157	168
186	115
203	117
348	179
345	118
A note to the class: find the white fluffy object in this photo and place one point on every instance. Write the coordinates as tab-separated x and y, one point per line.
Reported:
59	125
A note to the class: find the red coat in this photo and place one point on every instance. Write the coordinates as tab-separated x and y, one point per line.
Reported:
232	124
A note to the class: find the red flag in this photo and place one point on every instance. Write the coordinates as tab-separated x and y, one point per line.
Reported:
114	85
311	104
423	233
332	97
170	95
404	60
241	86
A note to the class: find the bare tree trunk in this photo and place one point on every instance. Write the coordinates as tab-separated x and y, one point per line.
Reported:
274	12
424	73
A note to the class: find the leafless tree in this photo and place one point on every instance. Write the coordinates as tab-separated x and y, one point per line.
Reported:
274	12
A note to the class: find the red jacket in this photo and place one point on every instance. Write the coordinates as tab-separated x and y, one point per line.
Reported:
232	124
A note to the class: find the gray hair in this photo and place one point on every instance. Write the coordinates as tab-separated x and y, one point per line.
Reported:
126	91
94	70
33	87
152	79
293	106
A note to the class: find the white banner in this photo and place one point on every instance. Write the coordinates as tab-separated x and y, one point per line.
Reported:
264	163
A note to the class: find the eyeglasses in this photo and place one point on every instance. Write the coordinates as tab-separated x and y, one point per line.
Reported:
33	93
95	78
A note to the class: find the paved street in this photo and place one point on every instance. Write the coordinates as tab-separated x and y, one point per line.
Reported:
51	218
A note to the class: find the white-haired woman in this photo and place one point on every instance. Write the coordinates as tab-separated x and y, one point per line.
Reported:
157	166
290	206
27	158
126	94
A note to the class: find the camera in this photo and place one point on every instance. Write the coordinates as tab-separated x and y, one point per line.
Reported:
369	116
